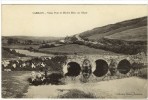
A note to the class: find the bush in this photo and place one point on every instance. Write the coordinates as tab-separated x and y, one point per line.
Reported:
53	78
77	94
55	63
14	52
7	49
47	46
143	73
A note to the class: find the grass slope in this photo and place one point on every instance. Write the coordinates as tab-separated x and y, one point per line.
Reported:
74	48
135	34
14	84
101	32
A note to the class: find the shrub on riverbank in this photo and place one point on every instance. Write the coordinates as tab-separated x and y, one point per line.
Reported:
74	93
7	53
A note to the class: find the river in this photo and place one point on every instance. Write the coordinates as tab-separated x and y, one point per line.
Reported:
114	89
30	53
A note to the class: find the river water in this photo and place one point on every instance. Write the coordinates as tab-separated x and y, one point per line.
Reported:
118	88
29	53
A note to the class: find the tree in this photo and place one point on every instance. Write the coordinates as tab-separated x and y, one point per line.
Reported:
10	41
30	41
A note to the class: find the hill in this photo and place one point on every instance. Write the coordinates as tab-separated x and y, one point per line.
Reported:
34	39
127	37
129	27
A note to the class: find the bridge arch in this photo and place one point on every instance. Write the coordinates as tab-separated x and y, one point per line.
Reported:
73	69
124	66
101	68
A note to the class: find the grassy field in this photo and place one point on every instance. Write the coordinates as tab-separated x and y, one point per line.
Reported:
74	48
16	46
65	49
136	34
14	84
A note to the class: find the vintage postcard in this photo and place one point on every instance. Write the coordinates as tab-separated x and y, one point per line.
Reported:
74	51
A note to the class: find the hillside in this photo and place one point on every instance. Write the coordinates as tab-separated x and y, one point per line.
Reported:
127	37
135	34
130	26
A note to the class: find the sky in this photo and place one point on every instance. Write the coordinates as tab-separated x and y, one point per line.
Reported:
52	20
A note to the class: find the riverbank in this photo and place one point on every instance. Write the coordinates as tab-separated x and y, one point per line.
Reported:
14	84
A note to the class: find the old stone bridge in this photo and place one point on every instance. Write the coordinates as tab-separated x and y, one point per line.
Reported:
101	65
88	65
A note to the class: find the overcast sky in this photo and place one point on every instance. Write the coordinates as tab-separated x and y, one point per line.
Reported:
21	19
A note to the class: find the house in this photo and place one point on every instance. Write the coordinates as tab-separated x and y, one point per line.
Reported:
62	41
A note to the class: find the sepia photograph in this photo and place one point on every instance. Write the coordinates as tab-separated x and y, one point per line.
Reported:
74	51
